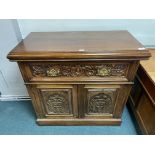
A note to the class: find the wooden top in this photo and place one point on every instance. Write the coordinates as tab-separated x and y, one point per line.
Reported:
149	66
74	45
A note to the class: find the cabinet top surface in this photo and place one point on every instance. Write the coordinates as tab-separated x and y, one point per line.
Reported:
78	45
149	66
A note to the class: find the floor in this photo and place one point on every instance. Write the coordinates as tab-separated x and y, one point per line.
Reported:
18	118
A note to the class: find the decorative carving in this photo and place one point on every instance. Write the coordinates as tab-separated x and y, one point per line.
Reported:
76	70
57	102
103	71
100	103
38	70
53	71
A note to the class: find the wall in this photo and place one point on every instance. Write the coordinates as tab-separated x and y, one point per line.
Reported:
143	30
11	83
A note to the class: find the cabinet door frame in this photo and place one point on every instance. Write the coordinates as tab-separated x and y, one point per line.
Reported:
119	100
79	95
40	88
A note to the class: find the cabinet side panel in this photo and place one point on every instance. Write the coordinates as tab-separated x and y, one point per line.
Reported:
121	100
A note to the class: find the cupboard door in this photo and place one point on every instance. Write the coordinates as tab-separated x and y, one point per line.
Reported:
104	101
100	100
58	101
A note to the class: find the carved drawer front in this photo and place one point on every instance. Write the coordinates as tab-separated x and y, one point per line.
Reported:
77	71
58	100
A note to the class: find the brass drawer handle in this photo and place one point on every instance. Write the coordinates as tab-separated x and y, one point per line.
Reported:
103	71
53	71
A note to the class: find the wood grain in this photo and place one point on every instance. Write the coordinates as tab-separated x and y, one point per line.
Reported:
111	121
149	66
81	45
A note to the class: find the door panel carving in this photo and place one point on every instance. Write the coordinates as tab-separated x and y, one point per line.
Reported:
57	101
100	101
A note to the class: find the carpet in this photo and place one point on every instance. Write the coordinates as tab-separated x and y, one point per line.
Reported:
18	118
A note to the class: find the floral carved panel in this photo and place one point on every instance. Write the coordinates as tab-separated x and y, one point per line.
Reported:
101	101
57	102
78	70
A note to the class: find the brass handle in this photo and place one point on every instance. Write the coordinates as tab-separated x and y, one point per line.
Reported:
103	71
53	71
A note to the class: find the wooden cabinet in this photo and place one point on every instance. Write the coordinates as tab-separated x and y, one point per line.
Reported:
143	108
142	96
79	78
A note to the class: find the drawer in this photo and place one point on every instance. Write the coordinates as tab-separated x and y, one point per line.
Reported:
78	71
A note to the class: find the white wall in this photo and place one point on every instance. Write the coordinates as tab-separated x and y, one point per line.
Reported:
143	30
11	83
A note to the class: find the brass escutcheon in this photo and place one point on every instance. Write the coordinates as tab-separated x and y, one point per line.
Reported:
103	71
53	71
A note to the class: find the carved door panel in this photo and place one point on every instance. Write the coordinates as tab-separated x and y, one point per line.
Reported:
58	100
90	101
100	100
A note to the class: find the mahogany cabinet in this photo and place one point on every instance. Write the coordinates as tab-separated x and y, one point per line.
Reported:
79	78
